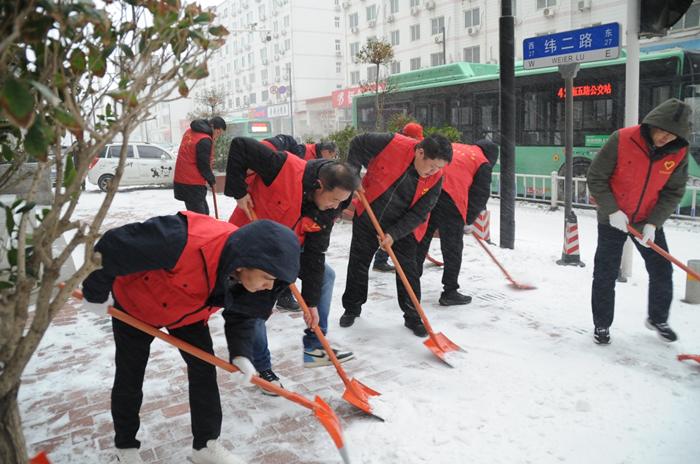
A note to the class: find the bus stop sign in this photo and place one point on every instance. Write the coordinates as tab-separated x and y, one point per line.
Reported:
578	46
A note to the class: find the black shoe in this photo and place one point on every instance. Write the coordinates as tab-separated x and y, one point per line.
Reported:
454	298
272	378
383	267
417	327
286	302
662	328
347	319
601	335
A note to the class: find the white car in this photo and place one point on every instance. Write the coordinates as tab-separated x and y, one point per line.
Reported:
146	164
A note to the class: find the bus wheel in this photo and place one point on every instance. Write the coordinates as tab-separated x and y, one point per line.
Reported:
580	195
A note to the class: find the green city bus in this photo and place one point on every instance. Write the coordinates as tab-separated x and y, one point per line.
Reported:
466	96
258	129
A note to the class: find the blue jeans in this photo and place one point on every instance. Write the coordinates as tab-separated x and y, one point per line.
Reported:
261	354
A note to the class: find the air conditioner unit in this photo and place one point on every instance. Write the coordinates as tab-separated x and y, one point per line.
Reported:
346	5
437	38
430	5
372	23
354	30
283	32
584	5
548	12
390	18
276	35
415	10
473	30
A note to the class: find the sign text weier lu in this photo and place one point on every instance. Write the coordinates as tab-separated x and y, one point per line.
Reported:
577	46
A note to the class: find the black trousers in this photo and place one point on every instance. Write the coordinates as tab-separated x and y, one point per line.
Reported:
194	196
362	248
446	219
132	351
608	255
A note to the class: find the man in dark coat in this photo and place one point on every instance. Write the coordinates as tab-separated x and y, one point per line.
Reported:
175	272
307	197
195	158
402	184
638	178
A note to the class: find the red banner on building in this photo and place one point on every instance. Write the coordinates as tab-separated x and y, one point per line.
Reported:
343	98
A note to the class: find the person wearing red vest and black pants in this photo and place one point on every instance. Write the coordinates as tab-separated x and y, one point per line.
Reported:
639	178
466	187
175	272
402	184
194	161
305	151
307	197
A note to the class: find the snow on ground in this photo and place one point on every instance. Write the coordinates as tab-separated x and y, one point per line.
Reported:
532	386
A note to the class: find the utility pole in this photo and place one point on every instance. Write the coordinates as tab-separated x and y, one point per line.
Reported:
506	26
291	105
444	46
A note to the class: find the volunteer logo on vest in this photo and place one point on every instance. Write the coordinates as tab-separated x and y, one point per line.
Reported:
668	167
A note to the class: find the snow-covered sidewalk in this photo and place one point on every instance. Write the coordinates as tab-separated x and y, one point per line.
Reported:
533	387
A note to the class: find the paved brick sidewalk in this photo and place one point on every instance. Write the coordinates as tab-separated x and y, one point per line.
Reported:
65	401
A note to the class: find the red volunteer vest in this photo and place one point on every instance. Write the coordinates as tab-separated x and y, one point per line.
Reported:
186	171
459	174
633	166
387	167
281	201
177	297
310	152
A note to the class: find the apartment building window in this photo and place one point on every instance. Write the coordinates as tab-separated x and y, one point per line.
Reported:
415	32
472	18
436	59
287	44
263	54
354	20
395	67
251	62
238	83
394	37
337	45
545	3
415	3
393	6
354	49
471	54
252	98
263	75
251	78
690	20
372	73
277	72
338	67
354	77
286	22
261	12
264	96
336	20
238	102
437	24
415	63
371	13
276	26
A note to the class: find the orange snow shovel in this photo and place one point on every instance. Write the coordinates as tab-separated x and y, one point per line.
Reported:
356	392
694	357
513	282
438	343
320	408
664	253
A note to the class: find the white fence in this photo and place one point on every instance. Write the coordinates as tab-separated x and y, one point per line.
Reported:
550	189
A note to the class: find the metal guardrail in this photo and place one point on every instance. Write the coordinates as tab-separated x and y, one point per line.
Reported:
550	189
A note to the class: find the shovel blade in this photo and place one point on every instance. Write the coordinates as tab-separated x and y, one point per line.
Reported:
521	286
694	357
440	345
358	394
329	421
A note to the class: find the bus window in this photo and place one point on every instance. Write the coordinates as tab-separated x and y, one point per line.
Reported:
692	98
660	94
489	116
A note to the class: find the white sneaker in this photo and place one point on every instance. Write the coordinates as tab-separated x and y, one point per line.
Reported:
214	453
129	456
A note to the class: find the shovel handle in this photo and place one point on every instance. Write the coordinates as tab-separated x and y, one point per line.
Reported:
397	265
216	206
663	253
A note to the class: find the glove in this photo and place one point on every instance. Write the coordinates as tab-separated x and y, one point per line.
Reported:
619	220
99	309
245	367
468	229
648	235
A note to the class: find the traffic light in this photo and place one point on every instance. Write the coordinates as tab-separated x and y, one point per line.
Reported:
656	16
